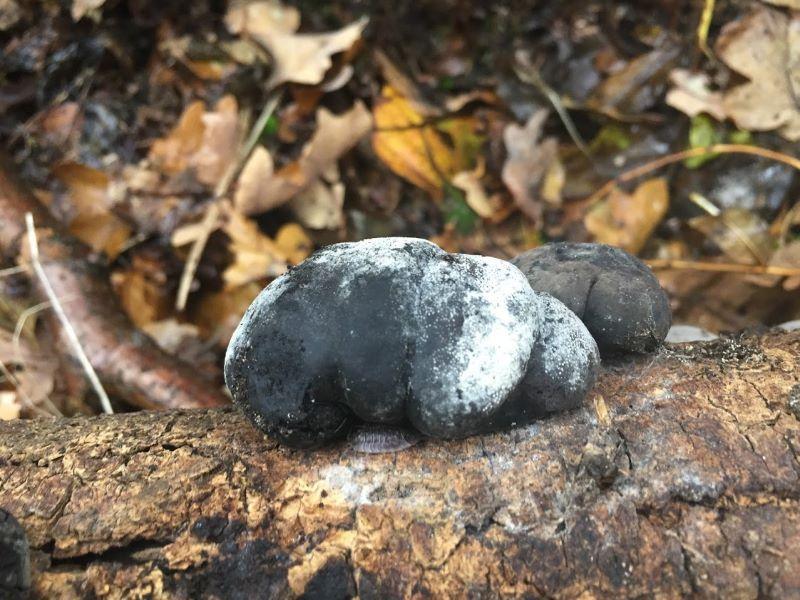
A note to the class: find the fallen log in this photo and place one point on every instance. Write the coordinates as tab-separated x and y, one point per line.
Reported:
679	477
129	364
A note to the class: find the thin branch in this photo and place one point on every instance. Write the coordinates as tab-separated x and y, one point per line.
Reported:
691	265
62	317
669	159
12	270
211	216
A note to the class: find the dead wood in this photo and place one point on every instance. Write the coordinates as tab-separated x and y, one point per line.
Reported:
679	477
129	364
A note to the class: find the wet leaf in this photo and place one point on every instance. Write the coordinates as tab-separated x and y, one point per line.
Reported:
93	222
764	46
299	57
627	220
531	162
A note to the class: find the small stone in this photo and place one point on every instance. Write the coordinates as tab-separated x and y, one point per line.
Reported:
395	331
614	293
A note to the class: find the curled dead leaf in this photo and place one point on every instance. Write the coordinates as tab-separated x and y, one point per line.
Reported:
764	46
255	256
627	220
203	140
692	95
299	57
89	196
261	188
533	171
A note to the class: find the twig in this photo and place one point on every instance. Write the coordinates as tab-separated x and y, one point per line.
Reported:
690	265
105	403
211	216
12	270
702	28
530	74
684	154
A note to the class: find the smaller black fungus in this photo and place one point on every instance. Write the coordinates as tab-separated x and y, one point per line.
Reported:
15	567
614	293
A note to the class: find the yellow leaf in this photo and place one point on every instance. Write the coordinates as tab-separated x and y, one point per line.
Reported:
409	147
93	222
627	220
294	242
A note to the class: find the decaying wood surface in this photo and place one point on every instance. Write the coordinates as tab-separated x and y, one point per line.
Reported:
129	364
679	477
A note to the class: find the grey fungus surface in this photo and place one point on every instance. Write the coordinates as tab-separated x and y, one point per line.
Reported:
395	331
614	293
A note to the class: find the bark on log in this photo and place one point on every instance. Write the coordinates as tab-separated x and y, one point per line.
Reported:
679	477
128	362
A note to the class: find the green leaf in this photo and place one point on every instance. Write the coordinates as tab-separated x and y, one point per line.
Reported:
457	211
702	134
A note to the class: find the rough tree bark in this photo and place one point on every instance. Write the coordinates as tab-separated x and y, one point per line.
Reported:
129	364
679	477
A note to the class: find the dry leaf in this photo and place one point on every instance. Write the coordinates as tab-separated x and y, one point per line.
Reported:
793	4
692	96
785	256
262	189
256	256
741	234
203	140
414	150
765	47
80	8
172	153
627	220
530	164
93	222
9	406
320	205
220	140
218	313
299	57
493	208
294	242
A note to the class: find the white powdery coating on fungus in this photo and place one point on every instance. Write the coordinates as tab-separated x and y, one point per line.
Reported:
372	256
491	353
569	348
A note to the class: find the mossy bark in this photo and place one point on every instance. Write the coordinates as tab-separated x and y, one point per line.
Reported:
679	477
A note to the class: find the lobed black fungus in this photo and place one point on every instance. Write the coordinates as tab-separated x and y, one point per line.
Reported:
614	293
396	331
15	567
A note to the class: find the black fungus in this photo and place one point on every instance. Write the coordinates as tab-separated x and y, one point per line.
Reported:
614	293
396	331
15	567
